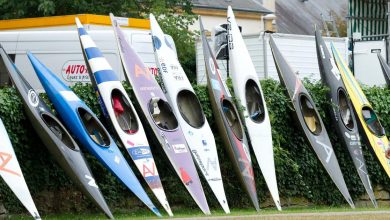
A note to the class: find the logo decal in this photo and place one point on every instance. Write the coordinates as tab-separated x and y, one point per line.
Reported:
91	181
5	159
117	159
185	177
328	150
156	42
146	171
33	98
212	66
179	148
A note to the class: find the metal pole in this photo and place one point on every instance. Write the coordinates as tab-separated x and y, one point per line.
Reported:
388	32
265	56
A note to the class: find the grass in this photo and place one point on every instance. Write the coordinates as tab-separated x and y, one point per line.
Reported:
187	213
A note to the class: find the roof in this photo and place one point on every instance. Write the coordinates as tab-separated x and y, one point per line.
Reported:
297	17
237	5
70	20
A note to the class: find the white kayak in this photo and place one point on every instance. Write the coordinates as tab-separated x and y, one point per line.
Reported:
12	174
189	113
248	92
121	114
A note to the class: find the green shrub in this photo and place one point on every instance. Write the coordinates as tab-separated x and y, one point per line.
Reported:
299	172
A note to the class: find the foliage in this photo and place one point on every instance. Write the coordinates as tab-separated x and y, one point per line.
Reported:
299	172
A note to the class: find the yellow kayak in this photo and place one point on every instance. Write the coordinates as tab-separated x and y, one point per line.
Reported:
374	131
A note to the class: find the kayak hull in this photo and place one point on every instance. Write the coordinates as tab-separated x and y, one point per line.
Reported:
120	112
229	123
198	134
310	121
341	112
12	174
148	94
249	94
378	141
68	155
88	130
385	69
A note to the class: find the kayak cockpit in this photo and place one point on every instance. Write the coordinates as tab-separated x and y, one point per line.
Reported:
310	116
345	110
124	113
162	114
254	102
372	122
94	129
232	118
190	108
59	131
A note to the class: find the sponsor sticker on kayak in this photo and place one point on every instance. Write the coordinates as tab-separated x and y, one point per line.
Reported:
75	71
69	96
179	148
140	152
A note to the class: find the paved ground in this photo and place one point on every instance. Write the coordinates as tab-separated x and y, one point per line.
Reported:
353	215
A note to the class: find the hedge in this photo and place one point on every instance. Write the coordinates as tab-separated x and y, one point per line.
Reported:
299	172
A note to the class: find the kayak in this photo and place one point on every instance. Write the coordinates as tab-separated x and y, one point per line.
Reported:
228	122
342	113
55	136
189	113
160	117
385	69
249	94
310	121
120	112
12	174
367	118
88	130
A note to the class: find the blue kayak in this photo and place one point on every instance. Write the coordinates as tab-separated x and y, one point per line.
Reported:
88	130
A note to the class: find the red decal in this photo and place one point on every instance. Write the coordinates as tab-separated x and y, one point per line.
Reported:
5	159
185	177
146	170
129	142
139	71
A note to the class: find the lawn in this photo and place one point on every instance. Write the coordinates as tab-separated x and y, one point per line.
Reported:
269	213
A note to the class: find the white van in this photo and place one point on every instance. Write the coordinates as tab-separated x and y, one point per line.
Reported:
59	49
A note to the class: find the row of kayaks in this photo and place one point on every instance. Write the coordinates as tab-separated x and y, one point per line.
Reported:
177	120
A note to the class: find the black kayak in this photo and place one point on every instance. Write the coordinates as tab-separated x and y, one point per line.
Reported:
385	69
54	135
341	112
310	120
